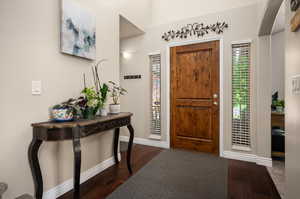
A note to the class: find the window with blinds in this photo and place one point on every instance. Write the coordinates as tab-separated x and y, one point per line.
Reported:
155	64
241	96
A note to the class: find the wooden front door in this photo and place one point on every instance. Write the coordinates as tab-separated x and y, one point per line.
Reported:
195	97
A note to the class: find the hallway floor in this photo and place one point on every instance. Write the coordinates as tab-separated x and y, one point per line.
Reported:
245	180
277	173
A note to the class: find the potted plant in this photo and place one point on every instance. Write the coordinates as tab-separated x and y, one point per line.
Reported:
116	92
101	89
94	98
280	106
90	103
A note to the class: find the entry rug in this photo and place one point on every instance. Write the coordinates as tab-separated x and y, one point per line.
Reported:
177	174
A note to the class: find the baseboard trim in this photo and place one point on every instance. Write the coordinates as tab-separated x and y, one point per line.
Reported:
66	186
248	158
148	142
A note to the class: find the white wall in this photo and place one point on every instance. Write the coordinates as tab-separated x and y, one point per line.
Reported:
292	115
162	14
277	63
243	23
29	37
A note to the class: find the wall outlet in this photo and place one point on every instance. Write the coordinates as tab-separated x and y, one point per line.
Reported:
36	87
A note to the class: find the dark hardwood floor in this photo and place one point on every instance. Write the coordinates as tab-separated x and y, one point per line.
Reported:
245	180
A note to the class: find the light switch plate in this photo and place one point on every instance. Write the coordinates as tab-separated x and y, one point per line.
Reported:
296	85
36	87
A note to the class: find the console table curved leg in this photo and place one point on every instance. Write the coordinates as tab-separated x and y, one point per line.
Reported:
116	144
131	131
35	167
77	164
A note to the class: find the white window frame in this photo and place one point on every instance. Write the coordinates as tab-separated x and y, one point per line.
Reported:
251	90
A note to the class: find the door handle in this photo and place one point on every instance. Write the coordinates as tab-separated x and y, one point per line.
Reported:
216	103
215	96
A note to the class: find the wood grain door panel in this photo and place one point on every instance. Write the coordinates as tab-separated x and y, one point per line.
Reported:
199	116
194	97
191	70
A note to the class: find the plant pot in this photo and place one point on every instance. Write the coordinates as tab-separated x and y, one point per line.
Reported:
62	114
89	113
103	112
279	109
114	108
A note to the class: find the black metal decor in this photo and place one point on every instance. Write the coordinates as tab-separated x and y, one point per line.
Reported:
196	29
295	5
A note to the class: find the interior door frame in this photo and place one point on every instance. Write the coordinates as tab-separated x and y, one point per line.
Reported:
167	100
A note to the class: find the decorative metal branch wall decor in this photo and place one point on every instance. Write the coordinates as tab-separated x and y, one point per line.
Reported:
295	5
196	29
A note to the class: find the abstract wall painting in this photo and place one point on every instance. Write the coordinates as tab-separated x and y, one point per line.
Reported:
78	31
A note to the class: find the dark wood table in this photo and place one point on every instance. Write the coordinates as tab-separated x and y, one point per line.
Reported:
53	131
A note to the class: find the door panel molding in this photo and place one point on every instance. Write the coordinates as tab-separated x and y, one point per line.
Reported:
166	115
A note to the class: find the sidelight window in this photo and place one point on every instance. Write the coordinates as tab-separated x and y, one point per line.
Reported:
241	64
155	64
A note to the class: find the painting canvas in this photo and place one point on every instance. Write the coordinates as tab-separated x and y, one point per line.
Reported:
78	31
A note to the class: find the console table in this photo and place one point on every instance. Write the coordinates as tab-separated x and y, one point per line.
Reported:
53	131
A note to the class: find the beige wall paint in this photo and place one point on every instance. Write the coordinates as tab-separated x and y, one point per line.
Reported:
292	68
162	14
137	12
277	63
264	97
243	24
29	37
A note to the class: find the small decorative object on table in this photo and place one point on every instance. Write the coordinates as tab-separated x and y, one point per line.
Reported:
116	92
64	112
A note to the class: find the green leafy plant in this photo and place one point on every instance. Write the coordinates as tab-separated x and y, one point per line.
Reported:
278	103
116	92
96	96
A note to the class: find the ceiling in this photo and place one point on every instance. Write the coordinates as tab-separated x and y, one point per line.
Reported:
128	29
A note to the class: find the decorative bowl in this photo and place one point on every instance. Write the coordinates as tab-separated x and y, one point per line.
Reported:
62	115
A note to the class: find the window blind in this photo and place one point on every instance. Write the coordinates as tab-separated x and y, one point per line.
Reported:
155	63
241	96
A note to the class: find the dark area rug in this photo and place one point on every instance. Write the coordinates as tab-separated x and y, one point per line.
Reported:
176	174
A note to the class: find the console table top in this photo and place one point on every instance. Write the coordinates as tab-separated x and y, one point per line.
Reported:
80	123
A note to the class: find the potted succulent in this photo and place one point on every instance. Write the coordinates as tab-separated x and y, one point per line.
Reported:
116	92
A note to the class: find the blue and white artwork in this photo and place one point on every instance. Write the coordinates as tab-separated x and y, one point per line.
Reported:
78	31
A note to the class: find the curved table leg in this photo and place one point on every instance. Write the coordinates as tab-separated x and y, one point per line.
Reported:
116	144
35	167
77	162
131	131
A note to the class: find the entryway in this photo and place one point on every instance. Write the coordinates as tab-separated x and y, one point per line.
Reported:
195	91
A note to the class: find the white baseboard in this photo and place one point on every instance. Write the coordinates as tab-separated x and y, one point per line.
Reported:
66	186
248	157
148	142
